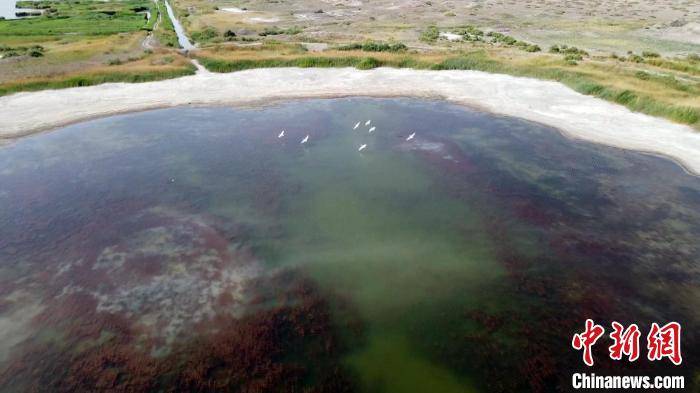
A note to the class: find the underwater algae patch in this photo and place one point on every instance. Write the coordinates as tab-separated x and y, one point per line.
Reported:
176	307
250	353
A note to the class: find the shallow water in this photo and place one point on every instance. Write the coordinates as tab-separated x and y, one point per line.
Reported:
192	247
8	9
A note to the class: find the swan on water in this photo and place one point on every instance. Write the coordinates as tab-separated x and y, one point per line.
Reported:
362	147
372	129
411	136
367	122
356	125
306	139
281	134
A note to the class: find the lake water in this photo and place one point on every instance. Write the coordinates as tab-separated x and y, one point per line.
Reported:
7	9
194	248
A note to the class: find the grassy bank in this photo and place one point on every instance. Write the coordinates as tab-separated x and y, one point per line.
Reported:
653	96
96	78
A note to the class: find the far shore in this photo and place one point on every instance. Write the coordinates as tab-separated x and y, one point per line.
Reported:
551	103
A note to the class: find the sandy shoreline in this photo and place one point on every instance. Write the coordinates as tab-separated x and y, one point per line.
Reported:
550	103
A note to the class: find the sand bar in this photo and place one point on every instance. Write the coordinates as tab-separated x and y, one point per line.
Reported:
550	103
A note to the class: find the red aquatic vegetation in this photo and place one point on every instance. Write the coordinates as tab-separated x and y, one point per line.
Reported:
292	345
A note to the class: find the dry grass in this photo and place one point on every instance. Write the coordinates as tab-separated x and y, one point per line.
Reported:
161	65
70	54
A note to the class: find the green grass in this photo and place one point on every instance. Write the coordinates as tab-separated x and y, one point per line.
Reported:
632	100
683	65
96	79
363	63
83	18
479	61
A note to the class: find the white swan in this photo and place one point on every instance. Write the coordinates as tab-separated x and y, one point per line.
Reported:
356	125
306	139
372	129
411	136
281	134
362	147
367	122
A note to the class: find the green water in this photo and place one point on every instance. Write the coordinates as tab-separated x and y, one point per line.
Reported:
375	228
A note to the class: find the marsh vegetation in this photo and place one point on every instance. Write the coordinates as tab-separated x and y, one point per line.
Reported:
78	43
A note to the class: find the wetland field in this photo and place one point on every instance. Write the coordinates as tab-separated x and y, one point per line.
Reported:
203	249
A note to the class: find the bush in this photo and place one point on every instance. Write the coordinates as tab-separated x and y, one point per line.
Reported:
372	46
33	51
470	33
431	34
205	35
353	46
573	50
643	75
277	31
650	54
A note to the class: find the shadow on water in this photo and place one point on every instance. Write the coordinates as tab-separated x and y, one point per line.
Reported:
195	248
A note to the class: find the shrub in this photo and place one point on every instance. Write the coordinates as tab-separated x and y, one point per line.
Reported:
372	46
650	54
574	50
470	33
277	31
353	46
208	34
643	75
431	34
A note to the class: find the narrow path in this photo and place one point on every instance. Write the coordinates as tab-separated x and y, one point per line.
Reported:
200	68
148	42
